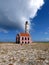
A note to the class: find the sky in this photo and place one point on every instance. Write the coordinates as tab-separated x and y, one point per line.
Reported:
14	13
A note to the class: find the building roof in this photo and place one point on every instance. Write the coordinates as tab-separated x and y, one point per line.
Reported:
24	34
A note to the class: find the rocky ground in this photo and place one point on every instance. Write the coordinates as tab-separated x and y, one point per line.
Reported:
26	54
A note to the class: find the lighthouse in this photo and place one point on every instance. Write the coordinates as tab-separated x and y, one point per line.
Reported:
26	27
24	37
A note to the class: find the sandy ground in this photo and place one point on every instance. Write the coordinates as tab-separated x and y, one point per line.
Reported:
26	54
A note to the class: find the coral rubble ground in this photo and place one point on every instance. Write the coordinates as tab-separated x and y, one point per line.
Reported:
26	54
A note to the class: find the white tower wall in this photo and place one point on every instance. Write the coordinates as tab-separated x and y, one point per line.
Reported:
26	27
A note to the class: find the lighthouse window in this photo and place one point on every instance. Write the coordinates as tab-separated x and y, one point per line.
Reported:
28	42
22	42
25	38
25	42
22	38
28	38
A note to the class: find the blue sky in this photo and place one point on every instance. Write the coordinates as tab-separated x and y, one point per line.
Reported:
41	21
13	17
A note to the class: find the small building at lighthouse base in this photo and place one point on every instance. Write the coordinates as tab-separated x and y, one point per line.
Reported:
23	38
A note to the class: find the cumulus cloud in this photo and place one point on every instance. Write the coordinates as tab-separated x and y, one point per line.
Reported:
16	12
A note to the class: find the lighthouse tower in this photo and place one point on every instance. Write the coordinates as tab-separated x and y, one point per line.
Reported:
26	27
24	37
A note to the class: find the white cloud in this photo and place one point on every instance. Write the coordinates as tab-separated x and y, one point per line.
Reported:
18	11
3	30
46	33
